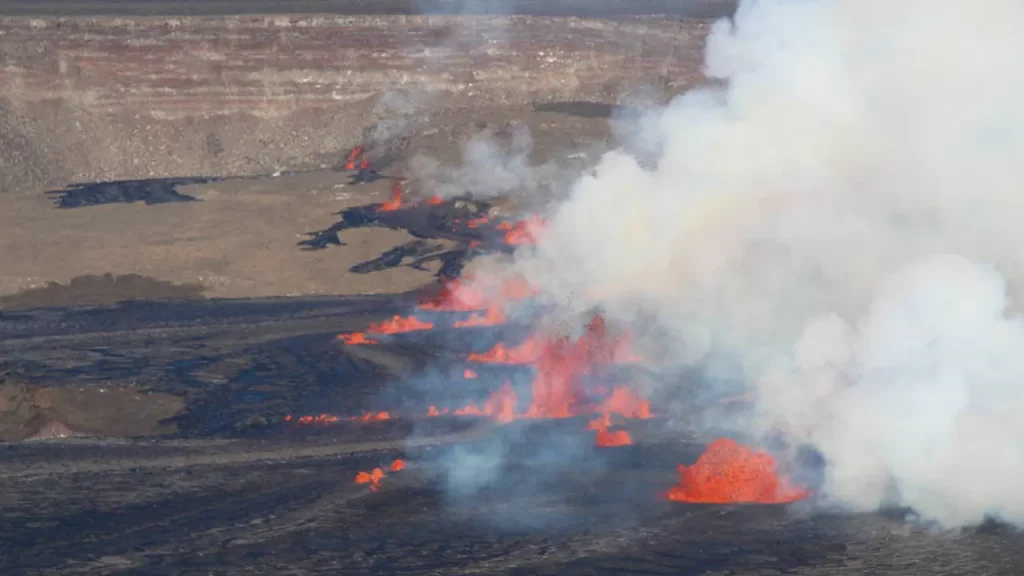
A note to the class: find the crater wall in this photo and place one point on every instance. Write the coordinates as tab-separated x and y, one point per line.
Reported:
85	99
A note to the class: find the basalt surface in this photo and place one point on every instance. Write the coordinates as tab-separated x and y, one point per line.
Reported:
86	99
241	490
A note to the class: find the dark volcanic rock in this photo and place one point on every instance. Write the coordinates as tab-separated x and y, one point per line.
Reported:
157	191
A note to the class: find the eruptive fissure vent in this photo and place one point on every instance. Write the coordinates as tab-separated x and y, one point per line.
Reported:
728	473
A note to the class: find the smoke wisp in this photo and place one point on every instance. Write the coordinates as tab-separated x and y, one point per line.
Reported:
489	168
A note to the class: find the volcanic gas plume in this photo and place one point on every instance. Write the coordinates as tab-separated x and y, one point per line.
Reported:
835	223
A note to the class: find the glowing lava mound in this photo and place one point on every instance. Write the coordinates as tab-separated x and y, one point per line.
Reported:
731	473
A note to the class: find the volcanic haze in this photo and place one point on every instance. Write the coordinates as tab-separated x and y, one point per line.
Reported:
837	216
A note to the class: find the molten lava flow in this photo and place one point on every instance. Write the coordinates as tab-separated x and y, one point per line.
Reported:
398	465
321	419
435	200
626	402
556	393
353	156
364	165
400	325
560	366
356	338
457	296
517	288
371	416
523	232
371	478
500	407
454	296
729	472
525	353
396	198
493	317
602	423
433	411
477	222
606	439
469	374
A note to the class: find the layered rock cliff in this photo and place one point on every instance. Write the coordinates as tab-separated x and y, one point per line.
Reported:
90	99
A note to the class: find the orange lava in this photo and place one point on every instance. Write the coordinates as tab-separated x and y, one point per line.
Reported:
626	402
353	156
602	423
500	407
525	353
400	325
477	222
606	439
433	411
729	472
371	416
556	388
396	198
435	200
458	296
356	338
371	478
321	419
561	364
469	374
398	465
493	317
523	232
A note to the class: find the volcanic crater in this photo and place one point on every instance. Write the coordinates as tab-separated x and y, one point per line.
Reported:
257	343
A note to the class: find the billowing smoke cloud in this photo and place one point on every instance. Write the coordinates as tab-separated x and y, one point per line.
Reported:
839	217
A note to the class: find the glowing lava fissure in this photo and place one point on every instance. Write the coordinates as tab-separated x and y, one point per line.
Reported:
606	438
321	419
561	386
356	338
374	477
459	296
331	419
494	316
353	157
522	232
731	473
396	198
399	325
558	389
371	416
396	325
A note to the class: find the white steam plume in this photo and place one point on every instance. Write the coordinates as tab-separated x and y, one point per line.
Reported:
489	168
838	217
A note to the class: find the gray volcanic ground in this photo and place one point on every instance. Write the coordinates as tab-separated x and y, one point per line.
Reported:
162	332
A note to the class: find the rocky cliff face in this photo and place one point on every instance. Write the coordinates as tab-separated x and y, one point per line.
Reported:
87	99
